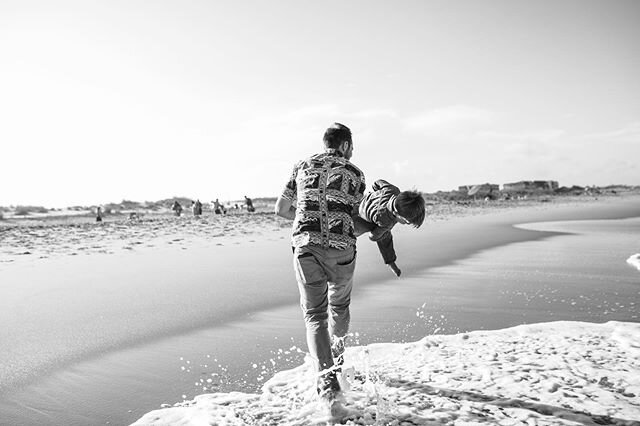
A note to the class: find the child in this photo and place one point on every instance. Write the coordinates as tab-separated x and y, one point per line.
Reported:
381	209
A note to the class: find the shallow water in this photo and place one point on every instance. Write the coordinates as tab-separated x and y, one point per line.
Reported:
580	274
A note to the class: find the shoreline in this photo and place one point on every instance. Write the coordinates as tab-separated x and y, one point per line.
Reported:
484	225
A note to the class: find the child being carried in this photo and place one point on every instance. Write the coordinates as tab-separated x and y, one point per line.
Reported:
379	212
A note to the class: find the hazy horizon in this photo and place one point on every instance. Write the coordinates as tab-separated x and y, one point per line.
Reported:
240	200
114	100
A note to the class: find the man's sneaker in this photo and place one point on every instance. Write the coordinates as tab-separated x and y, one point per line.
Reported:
328	386
337	351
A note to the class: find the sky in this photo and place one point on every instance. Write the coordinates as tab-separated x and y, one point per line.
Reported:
108	100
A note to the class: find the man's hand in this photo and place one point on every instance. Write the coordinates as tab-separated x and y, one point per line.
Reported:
395	268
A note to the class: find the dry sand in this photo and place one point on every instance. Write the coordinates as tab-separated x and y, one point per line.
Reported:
52	235
46	237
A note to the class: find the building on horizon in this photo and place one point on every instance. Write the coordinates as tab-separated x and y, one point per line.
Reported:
531	186
482	190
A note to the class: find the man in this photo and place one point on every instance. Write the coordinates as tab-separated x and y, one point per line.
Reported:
249	203
326	189
218	208
196	207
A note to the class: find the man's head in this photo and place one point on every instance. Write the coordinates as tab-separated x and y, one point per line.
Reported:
409	207
338	136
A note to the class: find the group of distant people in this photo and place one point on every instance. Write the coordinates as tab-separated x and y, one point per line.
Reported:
196	208
216	206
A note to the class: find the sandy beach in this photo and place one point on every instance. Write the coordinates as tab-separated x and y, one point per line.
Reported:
120	317
156	155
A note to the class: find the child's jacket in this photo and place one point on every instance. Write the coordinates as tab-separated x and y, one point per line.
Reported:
376	207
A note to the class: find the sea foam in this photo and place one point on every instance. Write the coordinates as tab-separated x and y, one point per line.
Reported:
634	260
554	373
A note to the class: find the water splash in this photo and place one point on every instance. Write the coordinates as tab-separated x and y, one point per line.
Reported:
634	260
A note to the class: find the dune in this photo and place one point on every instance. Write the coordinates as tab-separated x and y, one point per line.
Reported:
554	373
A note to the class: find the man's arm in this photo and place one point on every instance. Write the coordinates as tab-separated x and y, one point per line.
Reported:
382	184
284	208
284	205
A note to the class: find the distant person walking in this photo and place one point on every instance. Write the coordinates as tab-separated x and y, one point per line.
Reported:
177	208
196	206
218	208
249	204
328	189
99	214
381	209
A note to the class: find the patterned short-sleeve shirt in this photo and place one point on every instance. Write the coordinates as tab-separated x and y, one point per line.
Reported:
326	190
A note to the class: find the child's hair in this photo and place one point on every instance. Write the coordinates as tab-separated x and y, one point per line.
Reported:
410	205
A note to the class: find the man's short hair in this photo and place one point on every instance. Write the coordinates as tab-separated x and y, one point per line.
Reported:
410	205
335	135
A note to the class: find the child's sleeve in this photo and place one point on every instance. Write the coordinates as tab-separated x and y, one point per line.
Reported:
385	245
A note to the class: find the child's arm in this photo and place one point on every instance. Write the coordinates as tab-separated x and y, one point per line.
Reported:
385	245
377	233
395	268
360	226
381	183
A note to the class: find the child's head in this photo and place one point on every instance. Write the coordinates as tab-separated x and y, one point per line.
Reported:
410	205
